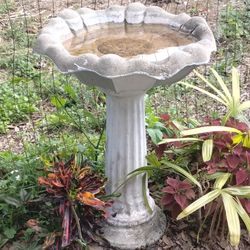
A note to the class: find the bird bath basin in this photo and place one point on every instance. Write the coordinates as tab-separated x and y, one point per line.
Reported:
125	51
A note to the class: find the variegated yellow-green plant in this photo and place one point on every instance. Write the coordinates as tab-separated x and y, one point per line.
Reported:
231	100
232	206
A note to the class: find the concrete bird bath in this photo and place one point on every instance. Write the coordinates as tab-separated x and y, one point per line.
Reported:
125	51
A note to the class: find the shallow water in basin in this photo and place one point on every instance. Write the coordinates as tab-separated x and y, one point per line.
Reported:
126	40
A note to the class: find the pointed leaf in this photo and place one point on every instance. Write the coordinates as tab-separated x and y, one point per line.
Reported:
237	138
204	92
201	202
182	171
211	86
223	86
169	140
221	180
207	149
242	191
233	221
153	160
235	86
243	214
145	194
209	129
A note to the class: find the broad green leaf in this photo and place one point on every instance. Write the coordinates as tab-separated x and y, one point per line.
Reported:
223	86
232	216
212	86
243	214
207	149
201	202
182	171
209	129
221	180
168	140
235	86
145	195
240	191
204	92
245	105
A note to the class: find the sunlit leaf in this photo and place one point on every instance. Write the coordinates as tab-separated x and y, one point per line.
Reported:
204	92
242	191
211	86
201	202
246	141
233	221
243	214
207	149
169	140
209	129
223	85
237	138
235	86
221	180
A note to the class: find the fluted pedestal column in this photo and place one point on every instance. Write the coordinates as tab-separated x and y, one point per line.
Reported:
131	225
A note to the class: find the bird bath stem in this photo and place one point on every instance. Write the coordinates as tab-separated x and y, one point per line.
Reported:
126	151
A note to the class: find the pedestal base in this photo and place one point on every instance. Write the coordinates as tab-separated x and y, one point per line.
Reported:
141	235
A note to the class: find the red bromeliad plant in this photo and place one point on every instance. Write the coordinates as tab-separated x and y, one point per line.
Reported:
75	188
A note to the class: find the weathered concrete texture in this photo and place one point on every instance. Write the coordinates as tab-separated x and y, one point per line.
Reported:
136	236
161	65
